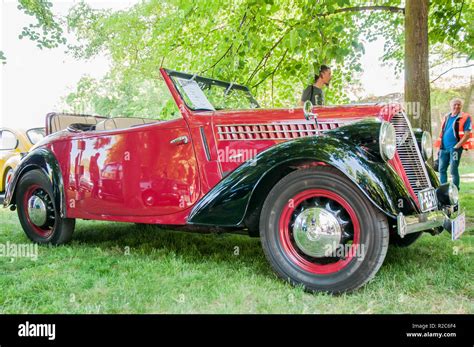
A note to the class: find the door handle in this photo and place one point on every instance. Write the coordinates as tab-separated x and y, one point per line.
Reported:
180	140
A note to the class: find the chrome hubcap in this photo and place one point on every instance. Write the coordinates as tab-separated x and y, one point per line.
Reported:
37	211
317	232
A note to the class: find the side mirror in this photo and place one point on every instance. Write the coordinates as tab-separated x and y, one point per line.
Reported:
308	114
308	110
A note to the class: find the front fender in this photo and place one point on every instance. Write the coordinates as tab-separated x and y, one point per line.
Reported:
228	202
435	182
44	160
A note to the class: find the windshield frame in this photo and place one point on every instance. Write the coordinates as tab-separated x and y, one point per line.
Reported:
234	86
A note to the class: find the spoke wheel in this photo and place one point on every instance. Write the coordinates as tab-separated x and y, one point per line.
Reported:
38	212
319	230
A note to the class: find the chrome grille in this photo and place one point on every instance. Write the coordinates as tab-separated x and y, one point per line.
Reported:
272	131
409	154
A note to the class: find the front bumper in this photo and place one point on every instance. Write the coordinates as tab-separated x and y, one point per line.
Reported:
426	221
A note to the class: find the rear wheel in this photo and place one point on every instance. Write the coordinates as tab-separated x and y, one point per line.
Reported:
318	230
38	214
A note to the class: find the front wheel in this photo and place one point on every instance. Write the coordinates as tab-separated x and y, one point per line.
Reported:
320	231
39	216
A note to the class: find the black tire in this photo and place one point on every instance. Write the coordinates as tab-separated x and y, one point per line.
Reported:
408	240
7	178
55	230
373	234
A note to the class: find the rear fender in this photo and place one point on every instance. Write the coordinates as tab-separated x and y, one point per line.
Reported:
44	160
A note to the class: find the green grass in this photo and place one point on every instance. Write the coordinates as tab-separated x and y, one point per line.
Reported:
178	272
467	163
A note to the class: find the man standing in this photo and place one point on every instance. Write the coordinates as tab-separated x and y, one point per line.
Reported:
455	136
314	92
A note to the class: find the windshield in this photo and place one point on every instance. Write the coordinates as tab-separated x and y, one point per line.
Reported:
205	94
35	135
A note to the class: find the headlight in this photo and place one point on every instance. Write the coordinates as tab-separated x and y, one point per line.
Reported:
453	194
387	141
427	145
447	194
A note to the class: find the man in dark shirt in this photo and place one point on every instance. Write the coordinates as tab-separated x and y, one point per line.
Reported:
314	92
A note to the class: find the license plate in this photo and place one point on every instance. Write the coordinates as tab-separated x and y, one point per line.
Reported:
458	225
428	200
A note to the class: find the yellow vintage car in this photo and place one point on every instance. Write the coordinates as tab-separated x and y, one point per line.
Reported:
13	144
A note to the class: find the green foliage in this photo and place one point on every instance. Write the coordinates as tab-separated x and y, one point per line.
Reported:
118	96
451	33
272	46
46	31
3	59
451	23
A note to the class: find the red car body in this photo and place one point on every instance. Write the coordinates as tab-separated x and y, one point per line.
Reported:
141	159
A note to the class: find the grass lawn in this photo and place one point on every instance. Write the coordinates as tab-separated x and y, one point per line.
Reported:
124	268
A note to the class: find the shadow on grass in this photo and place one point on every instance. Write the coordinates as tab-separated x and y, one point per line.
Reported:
198	247
232	249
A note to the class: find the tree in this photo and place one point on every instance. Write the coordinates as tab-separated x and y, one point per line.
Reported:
273	46
417	80
46	31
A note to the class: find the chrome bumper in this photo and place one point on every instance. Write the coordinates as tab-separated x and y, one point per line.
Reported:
424	221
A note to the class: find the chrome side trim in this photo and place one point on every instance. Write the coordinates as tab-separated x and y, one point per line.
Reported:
204	143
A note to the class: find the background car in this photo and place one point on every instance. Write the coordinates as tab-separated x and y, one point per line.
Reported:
14	142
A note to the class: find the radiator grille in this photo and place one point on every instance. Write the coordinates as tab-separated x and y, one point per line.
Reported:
409	154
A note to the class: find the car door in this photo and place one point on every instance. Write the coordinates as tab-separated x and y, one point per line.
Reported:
147	170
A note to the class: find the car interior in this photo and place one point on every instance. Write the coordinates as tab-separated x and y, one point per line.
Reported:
122	122
76	123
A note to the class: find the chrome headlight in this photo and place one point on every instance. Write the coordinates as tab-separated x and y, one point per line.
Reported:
453	194
447	194
426	145
387	141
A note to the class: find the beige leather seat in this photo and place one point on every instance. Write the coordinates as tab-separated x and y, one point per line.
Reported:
63	121
122	123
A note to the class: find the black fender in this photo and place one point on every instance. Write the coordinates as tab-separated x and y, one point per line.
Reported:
232	200
435	182
44	160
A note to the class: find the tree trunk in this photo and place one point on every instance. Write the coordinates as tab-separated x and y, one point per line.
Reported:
417	82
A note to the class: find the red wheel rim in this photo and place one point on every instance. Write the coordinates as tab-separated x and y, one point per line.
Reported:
290	248
40	231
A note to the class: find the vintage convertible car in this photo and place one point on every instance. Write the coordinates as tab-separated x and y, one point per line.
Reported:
326	189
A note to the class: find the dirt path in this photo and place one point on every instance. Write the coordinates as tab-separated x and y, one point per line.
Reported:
468	178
